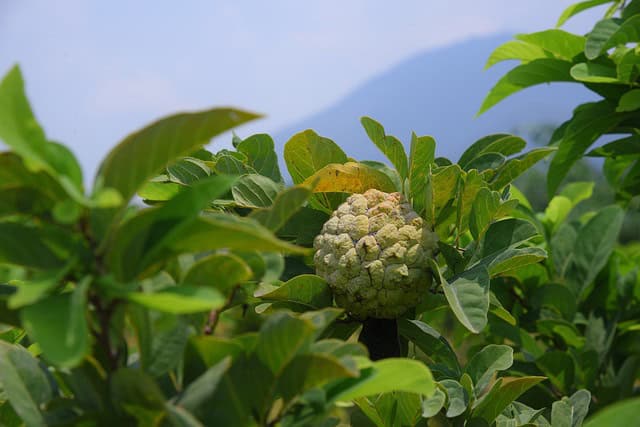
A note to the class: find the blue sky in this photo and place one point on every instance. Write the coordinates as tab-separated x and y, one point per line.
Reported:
97	70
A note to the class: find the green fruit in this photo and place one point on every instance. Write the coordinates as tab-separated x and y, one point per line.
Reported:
374	252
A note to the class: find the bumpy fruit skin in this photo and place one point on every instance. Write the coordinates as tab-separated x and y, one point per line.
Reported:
374	253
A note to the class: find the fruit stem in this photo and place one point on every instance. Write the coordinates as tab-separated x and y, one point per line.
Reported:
380	336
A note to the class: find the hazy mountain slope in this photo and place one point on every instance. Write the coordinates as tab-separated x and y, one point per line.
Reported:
438	93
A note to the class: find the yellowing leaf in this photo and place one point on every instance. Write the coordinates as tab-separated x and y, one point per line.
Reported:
349	178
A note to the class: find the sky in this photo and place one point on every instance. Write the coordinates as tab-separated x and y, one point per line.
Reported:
98	70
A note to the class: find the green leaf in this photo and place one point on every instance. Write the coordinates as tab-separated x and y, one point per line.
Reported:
20	131
38	247
24	383
562	44
187	171
503	392
611	32
433	405
486	161
141	155
422	155
497	143
307	289
432	343
219	231
515	49
468	297
281	338
254	191
261	155
307	371
205	351
630	101
588	123
349	178
559	367
627	69
285	206
538	71
135	393
486	362
66	341
458	398
220	271
590	72
227	164
506	234
515	167
595	242
140	241
576	8
483	211
618	414
305	154
389	145
571	412
200	391
385	376
180	299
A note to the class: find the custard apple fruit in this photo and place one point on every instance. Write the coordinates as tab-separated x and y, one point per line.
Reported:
374	253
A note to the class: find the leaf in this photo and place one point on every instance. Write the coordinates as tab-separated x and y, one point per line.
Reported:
513	168
543	70
140	241
219	271
187	171
458	398
515	49
218	231
281	338
390	146
422	155
32	247
468	297
595	242
180	299
285	206
254	191
261	155
64	342
571	412
514	259
20	131
618	414
485	363
200	391
141	155
227	164
24	383
497	143
576	8
306	371
504	391
483	211
135	393
588	123
349	178
630	101
393	374
609	33
308	289
627	68
432	343
629	146
433	405
589	72
305	154
559	367
562	44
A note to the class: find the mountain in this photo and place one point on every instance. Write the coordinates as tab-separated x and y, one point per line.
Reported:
438	93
